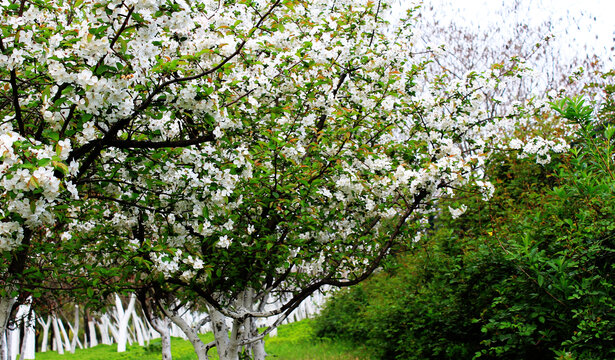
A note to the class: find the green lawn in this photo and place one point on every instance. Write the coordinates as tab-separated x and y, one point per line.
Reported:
295	341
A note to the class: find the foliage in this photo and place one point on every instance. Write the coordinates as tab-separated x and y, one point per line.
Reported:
529	275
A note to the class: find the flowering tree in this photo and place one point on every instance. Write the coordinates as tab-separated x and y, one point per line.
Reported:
228	153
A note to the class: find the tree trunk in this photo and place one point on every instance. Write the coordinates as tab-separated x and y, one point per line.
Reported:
75	329
57	337
89	328
64	334
29	341
6	306
103	326
92	340
227	349
12	342
45	325
257	348
197	343
123	317
163	328
3	346
138	324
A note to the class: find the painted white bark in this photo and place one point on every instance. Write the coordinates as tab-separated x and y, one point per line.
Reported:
138	326
12	340
64	334
75	330
145	327
93	341
221	331
3	346
6	305
57	337
255	349
28	344
103	326
123	317
199	347
153	332
46	325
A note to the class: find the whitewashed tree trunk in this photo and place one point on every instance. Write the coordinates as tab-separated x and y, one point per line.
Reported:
6	305
162	326
29	330
93	341
153	332
46	325
255	349
3	346
123	317
12	340
103	326
113	322
227	350
199	347
75	331
139	329
57	337
64	334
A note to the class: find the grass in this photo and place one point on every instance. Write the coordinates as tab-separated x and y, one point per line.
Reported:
295	341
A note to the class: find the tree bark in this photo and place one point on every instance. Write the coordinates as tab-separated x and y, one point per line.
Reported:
92	340
75	329
3	346
225	348
57	337
123	317
139	328
197	343
6	307
46	325
12	341
163	328
103	326
28	345
64	334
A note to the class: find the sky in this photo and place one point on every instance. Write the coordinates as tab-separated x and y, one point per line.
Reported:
579	26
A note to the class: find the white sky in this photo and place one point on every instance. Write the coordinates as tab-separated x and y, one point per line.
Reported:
580	26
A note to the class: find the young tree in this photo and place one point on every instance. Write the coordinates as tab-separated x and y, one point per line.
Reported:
227	152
